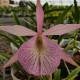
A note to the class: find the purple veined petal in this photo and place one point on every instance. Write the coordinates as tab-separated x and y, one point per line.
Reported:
18	30
68	59
39	59
39	16
61	29
13	59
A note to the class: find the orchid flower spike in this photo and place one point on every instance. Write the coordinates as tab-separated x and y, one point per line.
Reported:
40	55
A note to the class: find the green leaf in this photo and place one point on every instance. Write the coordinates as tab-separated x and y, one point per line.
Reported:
69	45
67	36
34	21
16	20
57	74
68	48
11	40
52	10
16	65
70	20
60	38
61	17
45	6
76	11
21	39
32	5
72	78
50	36
29	25
73	73
51	17
71	41
6	58
42	78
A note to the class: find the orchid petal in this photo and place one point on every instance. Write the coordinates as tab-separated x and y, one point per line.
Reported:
39	17
61	29
68	59
13	59
40	59
18	30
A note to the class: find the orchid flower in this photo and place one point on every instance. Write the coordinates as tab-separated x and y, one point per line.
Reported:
40	55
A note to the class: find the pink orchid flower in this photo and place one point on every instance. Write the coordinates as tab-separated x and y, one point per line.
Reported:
40	55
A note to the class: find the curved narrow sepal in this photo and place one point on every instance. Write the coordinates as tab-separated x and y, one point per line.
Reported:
39	16
18	30
61	29
13	59
68	59
40	57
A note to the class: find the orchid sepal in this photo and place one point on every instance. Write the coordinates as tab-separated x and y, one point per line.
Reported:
18	30
61	29
39	17
13	59
68	59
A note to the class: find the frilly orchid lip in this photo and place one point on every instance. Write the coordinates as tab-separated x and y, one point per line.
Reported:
40	55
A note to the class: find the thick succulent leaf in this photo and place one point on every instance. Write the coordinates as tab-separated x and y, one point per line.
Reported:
10	39
13	59
60	19
68	59
57	74
18	30
39	57
39	16
61	29
72	78
73	74
15	18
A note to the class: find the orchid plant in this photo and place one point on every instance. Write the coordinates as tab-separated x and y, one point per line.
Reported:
39	55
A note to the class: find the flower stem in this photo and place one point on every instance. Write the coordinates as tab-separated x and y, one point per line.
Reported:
49	77
75	38
66	67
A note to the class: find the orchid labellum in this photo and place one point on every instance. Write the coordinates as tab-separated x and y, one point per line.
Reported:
40	55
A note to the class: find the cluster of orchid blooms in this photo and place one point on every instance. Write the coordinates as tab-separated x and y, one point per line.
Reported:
39	55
